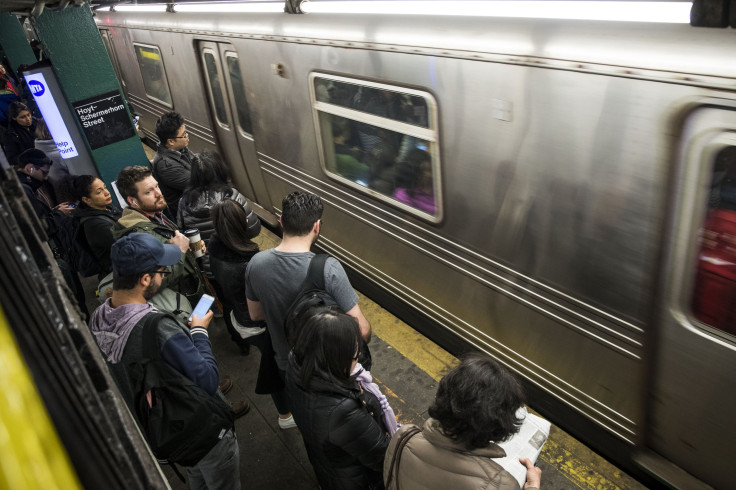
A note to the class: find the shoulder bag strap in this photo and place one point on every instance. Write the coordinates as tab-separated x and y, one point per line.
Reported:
396	458
151	349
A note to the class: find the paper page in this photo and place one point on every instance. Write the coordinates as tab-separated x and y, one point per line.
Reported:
527	443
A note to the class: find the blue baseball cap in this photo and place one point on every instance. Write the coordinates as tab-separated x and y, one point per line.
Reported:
141	252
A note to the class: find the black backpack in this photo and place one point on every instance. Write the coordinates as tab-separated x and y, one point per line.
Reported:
180	420
71	244
312	295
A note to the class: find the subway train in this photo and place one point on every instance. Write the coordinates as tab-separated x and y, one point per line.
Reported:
556	193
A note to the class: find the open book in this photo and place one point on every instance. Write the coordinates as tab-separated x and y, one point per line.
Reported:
527	443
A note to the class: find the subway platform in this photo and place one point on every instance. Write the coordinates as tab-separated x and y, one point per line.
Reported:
408	367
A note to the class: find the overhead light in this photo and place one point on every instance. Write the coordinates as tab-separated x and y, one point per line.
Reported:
231	7
140	8
669	12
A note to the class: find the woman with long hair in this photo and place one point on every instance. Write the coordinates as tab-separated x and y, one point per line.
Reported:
96	215
21	131
477	405
209	184
345	424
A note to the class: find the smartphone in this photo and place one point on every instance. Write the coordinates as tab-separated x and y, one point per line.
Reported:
202	306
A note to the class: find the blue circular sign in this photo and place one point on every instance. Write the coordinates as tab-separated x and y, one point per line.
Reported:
37	88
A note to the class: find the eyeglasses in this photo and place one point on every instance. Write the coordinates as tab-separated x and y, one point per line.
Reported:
164	272
185	135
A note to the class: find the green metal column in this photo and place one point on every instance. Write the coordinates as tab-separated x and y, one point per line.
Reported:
73	44
14	42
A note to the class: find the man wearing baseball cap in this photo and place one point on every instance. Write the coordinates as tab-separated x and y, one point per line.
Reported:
139	263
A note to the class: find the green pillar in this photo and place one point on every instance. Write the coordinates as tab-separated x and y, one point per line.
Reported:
73	44
14	42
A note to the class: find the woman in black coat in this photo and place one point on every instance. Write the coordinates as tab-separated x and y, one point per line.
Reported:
96	216
21	132
230	249
340	422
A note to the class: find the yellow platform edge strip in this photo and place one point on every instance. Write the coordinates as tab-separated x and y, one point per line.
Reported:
32	454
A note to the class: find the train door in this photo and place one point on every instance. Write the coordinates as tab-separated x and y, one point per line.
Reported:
107	41
693	391
226	92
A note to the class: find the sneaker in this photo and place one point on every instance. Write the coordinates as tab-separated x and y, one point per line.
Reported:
226	384
239	408
287	423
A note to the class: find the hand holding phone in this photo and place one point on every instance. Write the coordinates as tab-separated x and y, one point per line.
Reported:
202	308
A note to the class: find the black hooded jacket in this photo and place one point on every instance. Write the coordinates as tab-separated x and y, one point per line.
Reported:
96	227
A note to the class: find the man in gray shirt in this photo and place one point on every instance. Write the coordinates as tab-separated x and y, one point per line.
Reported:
274	277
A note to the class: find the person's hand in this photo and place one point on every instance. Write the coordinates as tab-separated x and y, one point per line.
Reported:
180	241
533	474
203	322
204	247
65	208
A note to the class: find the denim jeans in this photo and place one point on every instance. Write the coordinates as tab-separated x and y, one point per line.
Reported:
220	468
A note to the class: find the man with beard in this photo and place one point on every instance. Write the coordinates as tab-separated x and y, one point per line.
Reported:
144	214
274	277
140	262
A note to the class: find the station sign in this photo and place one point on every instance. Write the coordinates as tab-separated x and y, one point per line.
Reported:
104	119
51	115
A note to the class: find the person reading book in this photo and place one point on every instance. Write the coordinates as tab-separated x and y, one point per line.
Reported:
475	408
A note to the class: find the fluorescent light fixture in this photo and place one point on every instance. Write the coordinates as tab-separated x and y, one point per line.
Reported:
669	12
230	7
141	8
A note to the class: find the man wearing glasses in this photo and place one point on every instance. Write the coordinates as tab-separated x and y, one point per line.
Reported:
140	262
173	161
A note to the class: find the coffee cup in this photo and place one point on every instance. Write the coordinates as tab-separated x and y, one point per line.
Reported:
195	241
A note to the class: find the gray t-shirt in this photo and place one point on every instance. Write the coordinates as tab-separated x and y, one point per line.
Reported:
273	278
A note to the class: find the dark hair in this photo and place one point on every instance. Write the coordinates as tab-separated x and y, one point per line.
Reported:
129	177
410	172
231	226
299	211
125	283
476	402
80	186
15	108
42	130
208	174
326	345
167	126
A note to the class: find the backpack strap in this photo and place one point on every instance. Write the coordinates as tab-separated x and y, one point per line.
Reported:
151	348
316	273
396	457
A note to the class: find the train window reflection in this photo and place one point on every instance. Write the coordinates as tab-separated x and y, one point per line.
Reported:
714	294
387	147
394	105
236	81
153	73
215	86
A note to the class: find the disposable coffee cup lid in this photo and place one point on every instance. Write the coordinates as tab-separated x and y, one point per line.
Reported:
191	231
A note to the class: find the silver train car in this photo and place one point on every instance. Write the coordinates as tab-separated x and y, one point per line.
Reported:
552	192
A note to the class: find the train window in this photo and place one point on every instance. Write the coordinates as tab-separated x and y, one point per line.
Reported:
236	81
714	293
380	139
154	75
215	86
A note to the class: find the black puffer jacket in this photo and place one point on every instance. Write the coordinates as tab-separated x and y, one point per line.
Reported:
194	212
172	170
96	225
345	443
